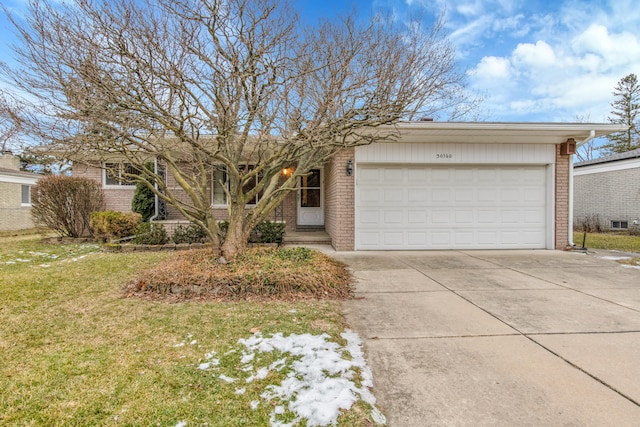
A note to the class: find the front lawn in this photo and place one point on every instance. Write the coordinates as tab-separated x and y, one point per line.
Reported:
75	352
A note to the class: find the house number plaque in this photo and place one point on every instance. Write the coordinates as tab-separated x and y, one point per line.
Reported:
444	156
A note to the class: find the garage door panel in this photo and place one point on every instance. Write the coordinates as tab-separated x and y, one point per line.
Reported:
510	195
393	239
450	207
532	237
417	218
534	217
417	239
369	217
488	238
463	195
463	217
394	195
440	239
440	217
463	239
416	176
370	196
488	216
393	217
487	195
441	195
534	195
394	175
417	195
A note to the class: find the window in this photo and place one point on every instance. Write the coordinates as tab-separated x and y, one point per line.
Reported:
116	173
26	195
620	225
221	182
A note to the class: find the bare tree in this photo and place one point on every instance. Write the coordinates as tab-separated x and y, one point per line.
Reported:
242	87
9	123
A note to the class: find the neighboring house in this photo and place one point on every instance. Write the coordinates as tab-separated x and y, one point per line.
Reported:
442	185
607	190
15	194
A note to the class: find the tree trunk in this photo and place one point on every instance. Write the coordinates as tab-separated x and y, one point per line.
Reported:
236	239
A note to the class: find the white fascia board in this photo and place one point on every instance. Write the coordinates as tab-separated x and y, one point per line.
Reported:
492	132
15	179
607	167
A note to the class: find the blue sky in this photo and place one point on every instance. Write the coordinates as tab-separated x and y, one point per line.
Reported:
533	60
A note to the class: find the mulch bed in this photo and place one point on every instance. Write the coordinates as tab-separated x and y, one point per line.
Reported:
259	274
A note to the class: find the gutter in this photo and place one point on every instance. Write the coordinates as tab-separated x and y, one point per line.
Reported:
592	134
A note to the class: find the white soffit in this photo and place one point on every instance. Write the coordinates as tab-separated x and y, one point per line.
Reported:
514	133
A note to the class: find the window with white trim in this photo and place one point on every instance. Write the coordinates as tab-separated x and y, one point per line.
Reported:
221	183
26	195
115	174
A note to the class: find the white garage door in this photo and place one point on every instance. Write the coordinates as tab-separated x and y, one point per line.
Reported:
450	207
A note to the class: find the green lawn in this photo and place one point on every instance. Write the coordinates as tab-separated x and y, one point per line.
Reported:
620	242
74	352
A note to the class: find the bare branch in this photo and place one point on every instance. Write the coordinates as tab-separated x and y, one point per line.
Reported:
199	84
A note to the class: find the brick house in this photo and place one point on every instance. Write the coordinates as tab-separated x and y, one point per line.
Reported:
15	194
608	190
441	185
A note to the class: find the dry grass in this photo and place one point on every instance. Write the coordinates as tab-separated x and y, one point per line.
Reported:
261	273
610	241
73	352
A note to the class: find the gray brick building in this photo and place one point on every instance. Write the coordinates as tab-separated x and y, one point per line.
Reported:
608	189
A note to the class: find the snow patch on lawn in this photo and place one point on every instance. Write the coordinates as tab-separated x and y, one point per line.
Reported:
320	383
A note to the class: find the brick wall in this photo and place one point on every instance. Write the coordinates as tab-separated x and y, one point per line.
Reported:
340	202
116	199
119	199
561	200
13	216
612	196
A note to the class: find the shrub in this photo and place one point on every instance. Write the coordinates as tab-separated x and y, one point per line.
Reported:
143	201
264	232
589	223
65	203
258	273
111	225
268	232
149	233
191	233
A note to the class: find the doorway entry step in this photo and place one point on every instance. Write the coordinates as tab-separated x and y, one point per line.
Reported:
306	236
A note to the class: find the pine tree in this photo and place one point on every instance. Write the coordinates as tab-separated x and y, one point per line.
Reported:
626	111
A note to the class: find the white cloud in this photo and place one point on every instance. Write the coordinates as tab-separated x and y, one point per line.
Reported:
539	55
549	61
492	68
614	49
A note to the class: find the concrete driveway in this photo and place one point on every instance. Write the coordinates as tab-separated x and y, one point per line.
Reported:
539	338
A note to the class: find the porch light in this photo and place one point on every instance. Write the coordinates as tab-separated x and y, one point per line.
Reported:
286	172
349	167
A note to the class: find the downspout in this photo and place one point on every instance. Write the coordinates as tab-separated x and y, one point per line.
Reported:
155	194
592	134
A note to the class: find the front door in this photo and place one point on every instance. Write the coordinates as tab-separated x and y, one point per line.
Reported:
310	206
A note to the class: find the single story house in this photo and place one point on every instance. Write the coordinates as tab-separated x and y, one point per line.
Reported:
441	185
15	194
607	190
